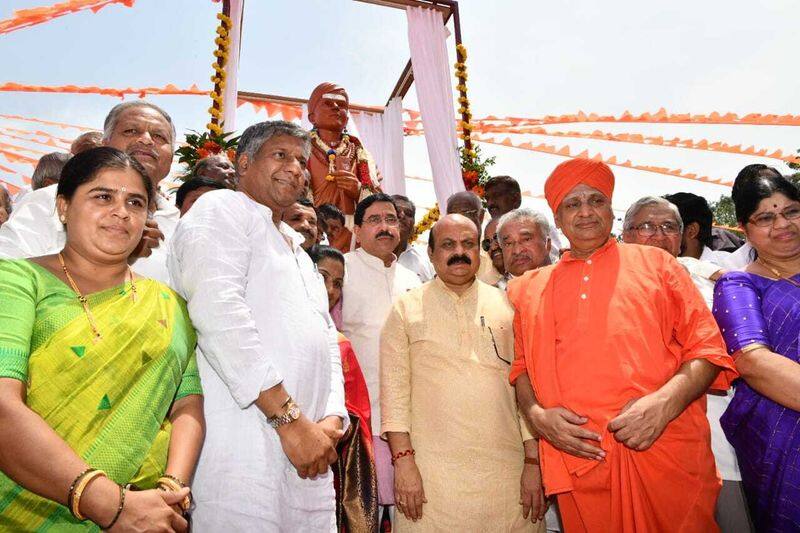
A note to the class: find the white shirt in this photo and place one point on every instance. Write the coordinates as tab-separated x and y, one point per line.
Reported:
261	314
742	257
718	257
724	454
34	230
415	258
369	290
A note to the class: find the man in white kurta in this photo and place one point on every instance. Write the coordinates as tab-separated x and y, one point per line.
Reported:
372	282
145	132
261	314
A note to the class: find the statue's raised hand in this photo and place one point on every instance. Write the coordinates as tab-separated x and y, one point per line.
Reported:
348	182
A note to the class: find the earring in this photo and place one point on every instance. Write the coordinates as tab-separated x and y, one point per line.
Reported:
63	219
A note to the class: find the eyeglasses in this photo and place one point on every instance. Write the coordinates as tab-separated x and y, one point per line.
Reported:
389	220
486	244
494	343
768	219
648	229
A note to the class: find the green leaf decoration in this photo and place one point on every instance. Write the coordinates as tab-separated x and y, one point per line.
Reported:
105	403
78	350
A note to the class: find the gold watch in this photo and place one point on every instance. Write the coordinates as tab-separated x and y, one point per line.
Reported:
291	413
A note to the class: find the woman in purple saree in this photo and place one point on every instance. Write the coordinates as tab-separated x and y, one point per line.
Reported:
758	311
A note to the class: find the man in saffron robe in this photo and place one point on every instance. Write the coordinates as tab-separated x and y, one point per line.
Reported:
615	349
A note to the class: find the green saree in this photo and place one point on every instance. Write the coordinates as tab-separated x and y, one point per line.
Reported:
107	399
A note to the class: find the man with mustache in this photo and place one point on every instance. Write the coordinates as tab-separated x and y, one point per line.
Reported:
145	132
657	222
615	350
270	362
373	280
523	235
463	458
302	218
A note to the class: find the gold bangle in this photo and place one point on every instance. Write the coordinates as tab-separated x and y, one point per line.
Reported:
753	346
71	491
167	483
75	507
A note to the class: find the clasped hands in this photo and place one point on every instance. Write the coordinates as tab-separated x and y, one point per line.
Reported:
310	446
640	422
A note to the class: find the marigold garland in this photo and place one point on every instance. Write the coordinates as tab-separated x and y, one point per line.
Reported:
223	42
425	224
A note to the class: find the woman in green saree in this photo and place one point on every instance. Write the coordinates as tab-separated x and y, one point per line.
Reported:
97	370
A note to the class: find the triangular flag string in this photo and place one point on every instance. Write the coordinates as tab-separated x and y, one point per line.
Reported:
566	152
24	18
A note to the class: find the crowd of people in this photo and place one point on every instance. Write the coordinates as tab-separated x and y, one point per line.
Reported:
242	354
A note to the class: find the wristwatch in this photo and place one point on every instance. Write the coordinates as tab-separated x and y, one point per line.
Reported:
291	414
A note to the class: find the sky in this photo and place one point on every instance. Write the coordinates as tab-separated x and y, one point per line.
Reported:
526	59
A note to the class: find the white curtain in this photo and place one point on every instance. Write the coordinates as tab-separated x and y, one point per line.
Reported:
232	68
394	168
427	41
382	135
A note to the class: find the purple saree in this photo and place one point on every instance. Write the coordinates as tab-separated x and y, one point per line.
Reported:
766	436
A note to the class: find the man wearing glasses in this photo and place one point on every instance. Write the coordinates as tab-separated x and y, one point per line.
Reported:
463	458
373	281
657	222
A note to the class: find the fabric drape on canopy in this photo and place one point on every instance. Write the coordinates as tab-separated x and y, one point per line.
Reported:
304	122
394	171
382	135
230	97
427	43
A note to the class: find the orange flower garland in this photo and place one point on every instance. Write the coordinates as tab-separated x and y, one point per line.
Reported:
223	42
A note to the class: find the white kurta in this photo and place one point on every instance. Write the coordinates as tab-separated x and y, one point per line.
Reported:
368	293
261	313
724	454
415	258
34	230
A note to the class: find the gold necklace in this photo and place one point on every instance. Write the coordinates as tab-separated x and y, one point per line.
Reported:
82	299
776	272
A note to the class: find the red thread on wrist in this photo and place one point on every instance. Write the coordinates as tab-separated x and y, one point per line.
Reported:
404	453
